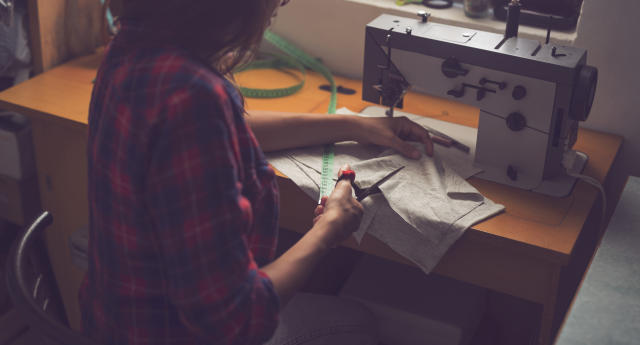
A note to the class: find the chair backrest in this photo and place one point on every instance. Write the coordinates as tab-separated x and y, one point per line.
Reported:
21	292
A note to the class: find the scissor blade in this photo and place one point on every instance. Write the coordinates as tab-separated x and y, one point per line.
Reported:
362	193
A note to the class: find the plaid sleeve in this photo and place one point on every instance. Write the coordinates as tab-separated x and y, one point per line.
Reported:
201	218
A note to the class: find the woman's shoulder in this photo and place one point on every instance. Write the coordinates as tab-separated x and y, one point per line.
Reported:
158	65
183	73
162	71
174	66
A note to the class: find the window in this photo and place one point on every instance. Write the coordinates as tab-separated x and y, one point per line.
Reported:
563	31
560	14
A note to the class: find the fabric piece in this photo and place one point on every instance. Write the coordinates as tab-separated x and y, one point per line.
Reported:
461	162
421	213
312	319
422	210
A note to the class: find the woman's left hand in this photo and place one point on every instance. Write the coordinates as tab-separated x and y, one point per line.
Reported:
394	132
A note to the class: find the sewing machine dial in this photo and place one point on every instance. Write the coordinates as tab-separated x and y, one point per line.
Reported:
584	92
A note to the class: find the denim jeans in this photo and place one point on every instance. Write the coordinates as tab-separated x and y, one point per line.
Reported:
312	319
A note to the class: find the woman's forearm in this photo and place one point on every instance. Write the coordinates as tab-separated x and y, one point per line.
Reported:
279	130
291	270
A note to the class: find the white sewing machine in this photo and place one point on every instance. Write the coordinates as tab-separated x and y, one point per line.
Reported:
531	95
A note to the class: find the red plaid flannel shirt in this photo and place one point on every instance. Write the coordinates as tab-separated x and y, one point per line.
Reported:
183	205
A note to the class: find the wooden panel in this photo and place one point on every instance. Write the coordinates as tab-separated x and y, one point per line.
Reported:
63	29
62	174
19	199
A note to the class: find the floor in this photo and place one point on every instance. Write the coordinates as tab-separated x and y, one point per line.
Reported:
506	320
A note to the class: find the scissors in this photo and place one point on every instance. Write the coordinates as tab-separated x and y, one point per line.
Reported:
362	193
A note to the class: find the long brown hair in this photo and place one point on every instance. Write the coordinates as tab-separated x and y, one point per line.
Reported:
224	33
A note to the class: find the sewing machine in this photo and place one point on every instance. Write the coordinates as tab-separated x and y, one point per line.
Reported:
531	95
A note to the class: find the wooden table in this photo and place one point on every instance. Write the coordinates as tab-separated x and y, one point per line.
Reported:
526	251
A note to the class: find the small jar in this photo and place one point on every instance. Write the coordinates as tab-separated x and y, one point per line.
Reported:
476	8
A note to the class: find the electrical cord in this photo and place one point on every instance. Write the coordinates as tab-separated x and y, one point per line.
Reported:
568	161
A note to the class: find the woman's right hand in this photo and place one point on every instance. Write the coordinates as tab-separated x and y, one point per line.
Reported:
338	215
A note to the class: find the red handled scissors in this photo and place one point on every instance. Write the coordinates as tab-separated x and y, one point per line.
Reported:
362	193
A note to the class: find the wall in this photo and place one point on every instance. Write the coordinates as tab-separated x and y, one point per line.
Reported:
610	31
330	29
334	31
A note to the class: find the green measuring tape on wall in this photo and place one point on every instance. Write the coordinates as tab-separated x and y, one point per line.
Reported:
296	58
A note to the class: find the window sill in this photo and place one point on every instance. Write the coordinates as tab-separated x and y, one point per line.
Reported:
455	16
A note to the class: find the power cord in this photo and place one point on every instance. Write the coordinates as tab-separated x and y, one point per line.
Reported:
568	161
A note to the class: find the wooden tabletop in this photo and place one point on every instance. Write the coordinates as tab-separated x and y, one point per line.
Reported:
544	226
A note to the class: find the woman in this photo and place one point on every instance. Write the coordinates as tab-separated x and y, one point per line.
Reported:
183	205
